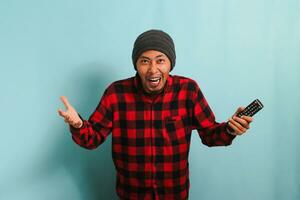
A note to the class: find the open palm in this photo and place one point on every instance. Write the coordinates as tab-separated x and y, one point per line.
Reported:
70	115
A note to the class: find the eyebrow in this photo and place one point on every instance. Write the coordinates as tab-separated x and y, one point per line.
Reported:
160	55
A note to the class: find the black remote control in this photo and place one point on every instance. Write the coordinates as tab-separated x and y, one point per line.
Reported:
251	109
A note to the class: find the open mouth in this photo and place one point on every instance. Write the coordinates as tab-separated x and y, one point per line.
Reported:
154	81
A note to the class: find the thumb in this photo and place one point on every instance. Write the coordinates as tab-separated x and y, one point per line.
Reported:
62	113
240	109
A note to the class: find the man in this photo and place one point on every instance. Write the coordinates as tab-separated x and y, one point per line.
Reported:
151	117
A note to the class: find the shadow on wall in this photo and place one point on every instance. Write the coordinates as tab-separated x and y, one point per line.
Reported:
91	171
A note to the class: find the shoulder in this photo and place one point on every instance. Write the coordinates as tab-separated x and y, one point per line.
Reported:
120	86
123	82
185	82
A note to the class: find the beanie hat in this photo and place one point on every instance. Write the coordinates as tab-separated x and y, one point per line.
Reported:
154	40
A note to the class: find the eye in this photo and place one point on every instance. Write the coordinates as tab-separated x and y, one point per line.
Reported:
161	61
144	61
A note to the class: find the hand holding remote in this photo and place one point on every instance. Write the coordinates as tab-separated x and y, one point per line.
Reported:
239	123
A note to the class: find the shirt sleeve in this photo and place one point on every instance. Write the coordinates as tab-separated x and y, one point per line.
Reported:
211	132
95	130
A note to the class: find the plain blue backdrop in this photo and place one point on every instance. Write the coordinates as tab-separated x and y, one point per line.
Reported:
237	50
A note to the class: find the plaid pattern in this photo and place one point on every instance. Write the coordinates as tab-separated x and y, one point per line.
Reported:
151	135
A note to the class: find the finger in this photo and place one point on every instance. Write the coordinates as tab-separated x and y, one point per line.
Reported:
62	113
65	101
247	118
67	118
235	129
69	121
242	121
239	126
240	109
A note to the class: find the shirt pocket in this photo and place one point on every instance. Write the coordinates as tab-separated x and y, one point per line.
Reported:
177	129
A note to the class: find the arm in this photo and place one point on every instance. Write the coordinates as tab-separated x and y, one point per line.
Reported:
93	132
211	132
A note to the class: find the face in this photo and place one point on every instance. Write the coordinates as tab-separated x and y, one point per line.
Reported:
153	68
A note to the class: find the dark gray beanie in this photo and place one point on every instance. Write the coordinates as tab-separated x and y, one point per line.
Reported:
154	40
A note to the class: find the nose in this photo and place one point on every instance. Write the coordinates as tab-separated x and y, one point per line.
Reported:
153	67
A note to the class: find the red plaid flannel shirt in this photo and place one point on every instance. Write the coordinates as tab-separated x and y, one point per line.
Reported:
151	135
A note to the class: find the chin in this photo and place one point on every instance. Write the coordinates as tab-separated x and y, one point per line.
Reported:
156	91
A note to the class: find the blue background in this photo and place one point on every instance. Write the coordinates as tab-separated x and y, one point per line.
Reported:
236	50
